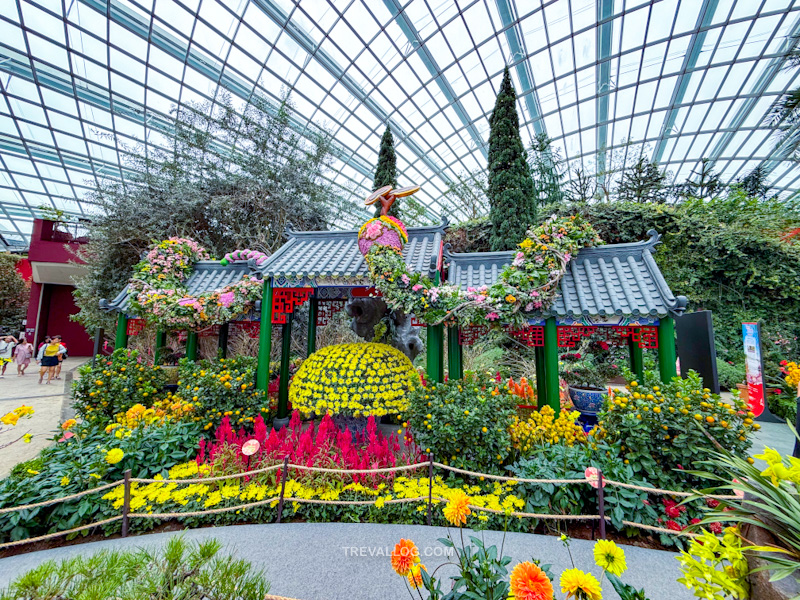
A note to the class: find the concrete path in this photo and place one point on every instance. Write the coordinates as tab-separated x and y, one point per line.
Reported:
48	402
352	561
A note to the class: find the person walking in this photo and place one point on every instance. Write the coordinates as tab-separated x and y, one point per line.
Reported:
22	356
6	352
61	357
49	358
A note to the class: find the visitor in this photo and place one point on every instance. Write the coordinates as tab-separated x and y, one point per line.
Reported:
61	357
48	357
22	356
6	352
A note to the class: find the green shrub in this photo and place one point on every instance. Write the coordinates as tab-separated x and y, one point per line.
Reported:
114	384
79	463
219	386
663	428
181	571
558	461
463	422
729	374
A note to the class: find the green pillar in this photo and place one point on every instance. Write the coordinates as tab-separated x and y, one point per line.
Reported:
265	337
553	395
283	388
435	366
312	326
455	364
161	341
191	346
222	341
636	358
666	349
121	340
541	389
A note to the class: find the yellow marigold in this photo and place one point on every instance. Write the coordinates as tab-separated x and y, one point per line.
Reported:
114	455
529	582
610	557
24	411
404	556
510	299
68	424
415	576
457	509
582	586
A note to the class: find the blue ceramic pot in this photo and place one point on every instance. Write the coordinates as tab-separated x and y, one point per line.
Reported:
588	400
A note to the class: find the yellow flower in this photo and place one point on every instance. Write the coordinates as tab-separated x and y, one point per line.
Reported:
510	299
114	455
415	576
68	424
457	509
64	481
579	585
610	557
10	419
27	438
32	472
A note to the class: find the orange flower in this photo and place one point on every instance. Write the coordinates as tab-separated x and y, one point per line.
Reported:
404	556
68	424
457	509
415	576
529	582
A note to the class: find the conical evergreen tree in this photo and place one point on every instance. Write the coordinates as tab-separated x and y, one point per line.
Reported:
386	171
511	193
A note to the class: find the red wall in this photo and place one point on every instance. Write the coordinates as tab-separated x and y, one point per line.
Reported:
54	319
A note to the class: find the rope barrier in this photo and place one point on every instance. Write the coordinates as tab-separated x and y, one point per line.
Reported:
62	498
208	479
631	486
660	529
359	471
514	479
59	533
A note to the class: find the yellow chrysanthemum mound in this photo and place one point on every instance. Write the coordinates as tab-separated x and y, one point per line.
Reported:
354	379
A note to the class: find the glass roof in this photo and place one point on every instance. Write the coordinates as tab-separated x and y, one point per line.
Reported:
82	80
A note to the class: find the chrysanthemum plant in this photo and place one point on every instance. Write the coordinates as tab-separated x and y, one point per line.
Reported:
483	571
530	283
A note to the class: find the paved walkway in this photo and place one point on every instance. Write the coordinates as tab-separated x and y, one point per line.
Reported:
339	561
48	402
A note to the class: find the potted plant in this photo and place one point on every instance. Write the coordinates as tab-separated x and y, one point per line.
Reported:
585	380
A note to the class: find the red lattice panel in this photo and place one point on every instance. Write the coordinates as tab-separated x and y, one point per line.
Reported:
209	331
570	336
416	322
251	328
285	300
135	326
326	308
470	334
532	336
646	336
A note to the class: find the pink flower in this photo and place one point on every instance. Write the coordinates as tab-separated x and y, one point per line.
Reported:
492	316
227	299
416	287
405	278
518	259
715	527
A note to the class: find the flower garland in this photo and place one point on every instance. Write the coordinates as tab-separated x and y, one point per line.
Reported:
160	292
528	285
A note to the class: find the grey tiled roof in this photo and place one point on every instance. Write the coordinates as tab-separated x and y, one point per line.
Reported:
616	279
208	275
335	254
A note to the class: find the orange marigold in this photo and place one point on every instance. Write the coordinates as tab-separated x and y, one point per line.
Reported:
415	576
457	509
404	556
529	582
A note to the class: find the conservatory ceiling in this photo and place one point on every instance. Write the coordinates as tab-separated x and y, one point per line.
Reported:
82	80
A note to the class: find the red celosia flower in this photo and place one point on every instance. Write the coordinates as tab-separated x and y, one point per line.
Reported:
715	528
674	526
712	502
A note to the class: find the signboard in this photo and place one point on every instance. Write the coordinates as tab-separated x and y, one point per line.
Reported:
754	368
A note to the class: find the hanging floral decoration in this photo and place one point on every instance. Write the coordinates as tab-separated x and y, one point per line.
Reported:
159	291
244	255
527	286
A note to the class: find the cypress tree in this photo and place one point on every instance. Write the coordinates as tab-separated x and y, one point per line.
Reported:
511	193
386	171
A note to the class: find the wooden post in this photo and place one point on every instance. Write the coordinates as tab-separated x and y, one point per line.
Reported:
121	339
430	488
601	504
313	305
636	358
283	488
265	337
126	502
455	364
666	349
99	334
553	392
161	342
283	386
222	341
191	346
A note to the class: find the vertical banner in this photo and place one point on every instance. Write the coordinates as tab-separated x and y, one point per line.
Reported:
754	368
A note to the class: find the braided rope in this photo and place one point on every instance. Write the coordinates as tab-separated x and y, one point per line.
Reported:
631	486
660	529
514	479
59	533
209	479
62	498
359	471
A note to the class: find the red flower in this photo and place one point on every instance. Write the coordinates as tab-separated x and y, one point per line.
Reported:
715	528
712	502
674	526
694	521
